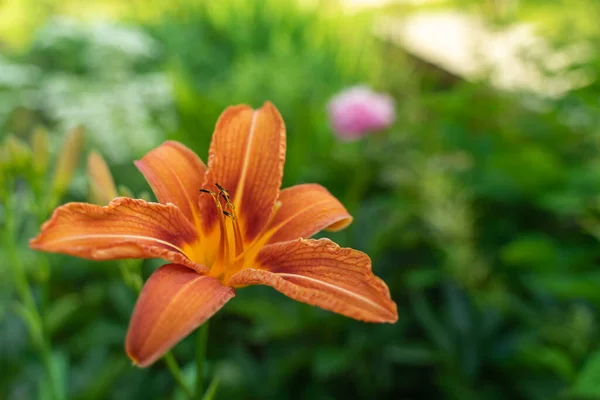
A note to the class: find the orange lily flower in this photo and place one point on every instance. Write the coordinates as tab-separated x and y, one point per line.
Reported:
222	227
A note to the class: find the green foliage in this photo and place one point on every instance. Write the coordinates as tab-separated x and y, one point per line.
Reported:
101	75
294	55
480	209
587	384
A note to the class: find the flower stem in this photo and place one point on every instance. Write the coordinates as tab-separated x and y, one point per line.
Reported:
201	343
176	372
33	317
212	389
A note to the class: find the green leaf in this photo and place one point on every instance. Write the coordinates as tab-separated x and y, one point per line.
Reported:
534	252
101	385
60	373
32	322
54	387
582	285
433	328
332	361
423	278
60	311
588	380
411	355
212	389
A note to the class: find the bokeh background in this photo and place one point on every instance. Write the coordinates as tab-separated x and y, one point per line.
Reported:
479	206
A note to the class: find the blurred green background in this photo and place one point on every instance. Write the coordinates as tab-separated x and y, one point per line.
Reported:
480	208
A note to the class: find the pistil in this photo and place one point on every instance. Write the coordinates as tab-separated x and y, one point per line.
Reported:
226	264
225	260
223	252
239	243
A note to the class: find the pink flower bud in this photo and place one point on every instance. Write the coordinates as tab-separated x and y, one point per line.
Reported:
357	111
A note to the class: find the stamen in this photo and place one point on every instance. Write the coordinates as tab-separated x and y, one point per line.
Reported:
239	243
223	253
227	263
221	188
225	195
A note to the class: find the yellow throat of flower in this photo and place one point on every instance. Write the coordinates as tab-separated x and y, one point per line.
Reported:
231	254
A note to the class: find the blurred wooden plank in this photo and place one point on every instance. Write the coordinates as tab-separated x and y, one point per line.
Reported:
510	58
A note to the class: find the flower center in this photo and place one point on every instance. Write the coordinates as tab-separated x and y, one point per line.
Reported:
229	253
232	253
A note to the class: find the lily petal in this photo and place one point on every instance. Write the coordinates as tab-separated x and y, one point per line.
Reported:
174	301
176	175
305	210
126	228
320	273
246	157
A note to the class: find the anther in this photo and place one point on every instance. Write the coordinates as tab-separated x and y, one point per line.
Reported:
227	210
228	215
223	193
225	196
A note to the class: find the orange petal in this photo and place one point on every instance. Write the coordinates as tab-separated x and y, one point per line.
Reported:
320	273
246	157
306	210
176	175
174	301
126	228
